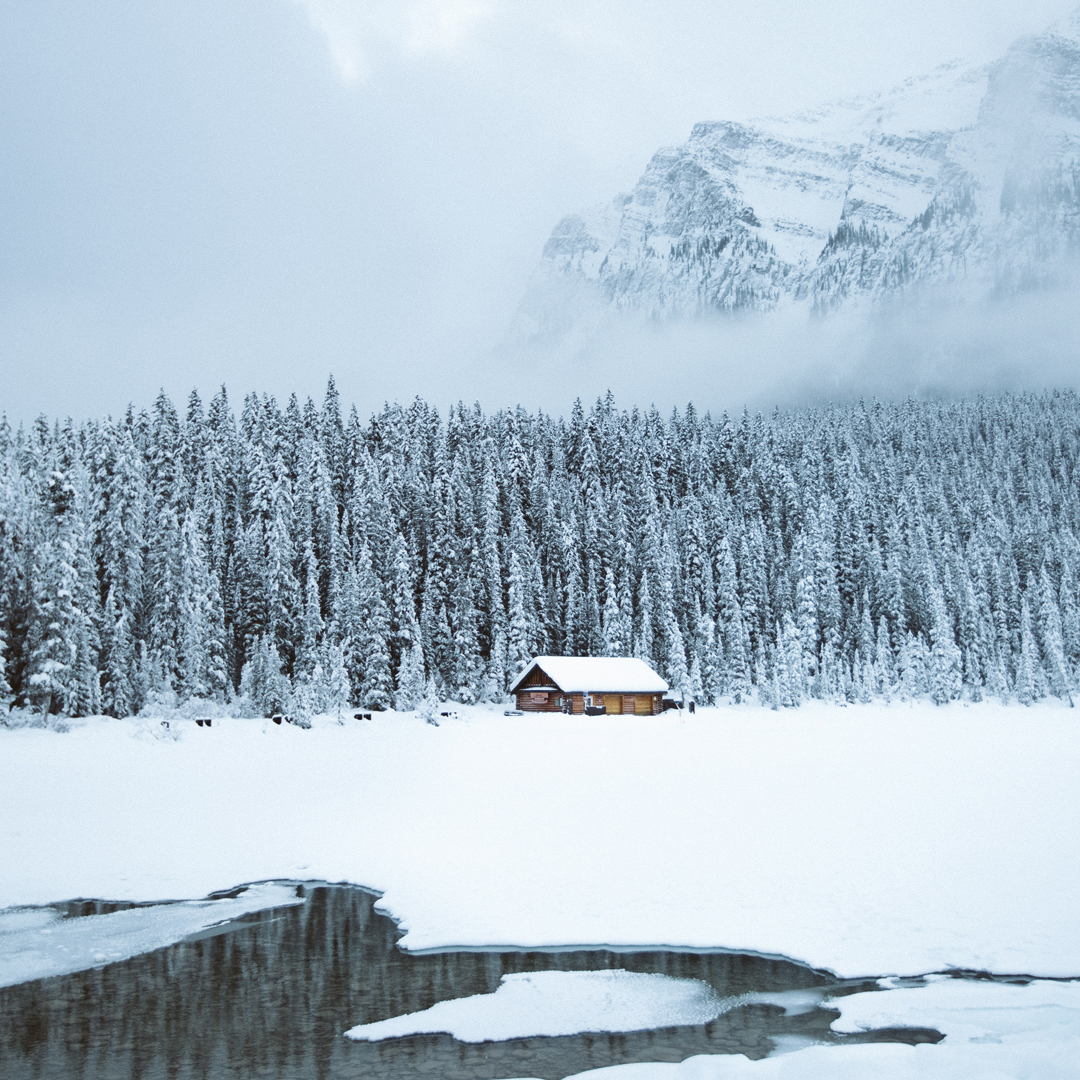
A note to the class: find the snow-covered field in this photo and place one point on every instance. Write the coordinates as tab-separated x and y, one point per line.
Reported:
866	840
869	840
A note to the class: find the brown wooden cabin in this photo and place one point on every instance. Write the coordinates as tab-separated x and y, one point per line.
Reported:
571	683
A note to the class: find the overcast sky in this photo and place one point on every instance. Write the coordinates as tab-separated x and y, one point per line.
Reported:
259	192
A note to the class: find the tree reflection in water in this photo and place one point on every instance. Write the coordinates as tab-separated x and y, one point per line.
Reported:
271	995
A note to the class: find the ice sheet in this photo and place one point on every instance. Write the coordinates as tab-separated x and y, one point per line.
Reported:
39	943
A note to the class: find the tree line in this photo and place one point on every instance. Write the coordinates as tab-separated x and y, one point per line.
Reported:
297	558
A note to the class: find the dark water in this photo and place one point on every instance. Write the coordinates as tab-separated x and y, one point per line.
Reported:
271	994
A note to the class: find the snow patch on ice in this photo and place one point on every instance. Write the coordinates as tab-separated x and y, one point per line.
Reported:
38	943
561	1003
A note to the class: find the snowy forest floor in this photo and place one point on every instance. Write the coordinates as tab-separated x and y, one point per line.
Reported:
870	840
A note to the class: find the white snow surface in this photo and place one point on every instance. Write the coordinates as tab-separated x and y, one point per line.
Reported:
560	1003
38	943
584	674
992	1032
869	840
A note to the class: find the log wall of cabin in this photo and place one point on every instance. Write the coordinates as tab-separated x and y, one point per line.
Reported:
631	704
553	702
639	704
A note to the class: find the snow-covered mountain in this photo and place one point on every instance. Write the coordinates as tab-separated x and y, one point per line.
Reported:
971	174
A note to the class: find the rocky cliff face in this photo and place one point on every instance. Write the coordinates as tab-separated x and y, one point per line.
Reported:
967	175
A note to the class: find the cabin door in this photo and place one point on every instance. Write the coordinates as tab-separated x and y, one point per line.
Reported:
643	705
613	704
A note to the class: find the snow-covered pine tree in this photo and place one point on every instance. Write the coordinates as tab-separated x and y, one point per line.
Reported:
946	678
1050	634
644	640
281	588
789	663
468	666
519	643
262	681
411	677
1026	687
14	511
57	631
913	665
1070	620
403	621
193	657
429	707
696	687
806	613
678	674
311	623
6	695
335	680
618	622
883	660
711	658
490	528
350	618
377	691
497	676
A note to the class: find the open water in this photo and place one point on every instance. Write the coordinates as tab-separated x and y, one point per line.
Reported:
270	996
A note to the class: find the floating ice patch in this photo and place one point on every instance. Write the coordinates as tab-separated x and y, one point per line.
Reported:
793	1002
37	943
562	1003
972	1010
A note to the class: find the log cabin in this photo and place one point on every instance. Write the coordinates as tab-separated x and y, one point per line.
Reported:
576	683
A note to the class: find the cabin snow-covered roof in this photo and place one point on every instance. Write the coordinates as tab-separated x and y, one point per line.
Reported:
586	674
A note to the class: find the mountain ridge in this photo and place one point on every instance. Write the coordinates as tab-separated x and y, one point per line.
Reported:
969	175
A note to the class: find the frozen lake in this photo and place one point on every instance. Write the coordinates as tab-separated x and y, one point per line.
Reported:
271	994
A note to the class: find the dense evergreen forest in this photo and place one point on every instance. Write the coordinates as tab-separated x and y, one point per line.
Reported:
295	558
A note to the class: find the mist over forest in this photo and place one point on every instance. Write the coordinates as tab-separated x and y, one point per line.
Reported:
944	344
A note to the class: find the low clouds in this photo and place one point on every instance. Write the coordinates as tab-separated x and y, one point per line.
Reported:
357	30
944	344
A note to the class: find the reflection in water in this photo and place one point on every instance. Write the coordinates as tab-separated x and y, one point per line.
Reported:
271	994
